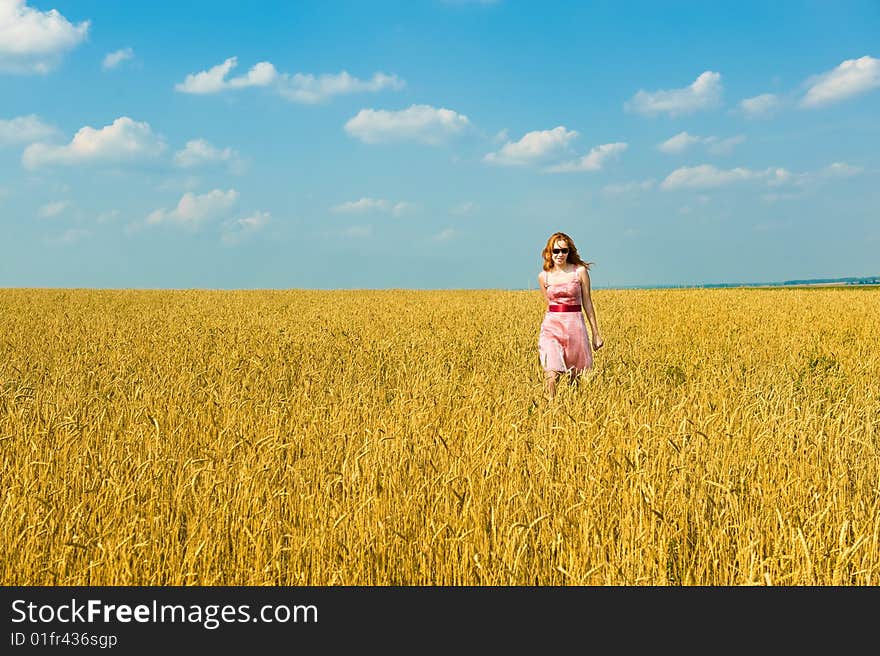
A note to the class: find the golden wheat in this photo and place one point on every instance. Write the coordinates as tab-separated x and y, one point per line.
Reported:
724	437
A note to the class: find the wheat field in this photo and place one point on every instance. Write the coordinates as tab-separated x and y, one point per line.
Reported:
196	437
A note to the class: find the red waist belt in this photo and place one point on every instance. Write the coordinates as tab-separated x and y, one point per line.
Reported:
563	308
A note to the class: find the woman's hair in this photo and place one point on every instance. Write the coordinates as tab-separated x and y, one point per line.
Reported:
573	256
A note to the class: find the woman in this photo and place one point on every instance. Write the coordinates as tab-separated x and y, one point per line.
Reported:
563	344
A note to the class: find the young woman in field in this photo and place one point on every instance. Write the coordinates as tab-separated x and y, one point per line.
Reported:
563	344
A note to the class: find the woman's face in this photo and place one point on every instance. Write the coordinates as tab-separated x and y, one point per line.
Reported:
560	252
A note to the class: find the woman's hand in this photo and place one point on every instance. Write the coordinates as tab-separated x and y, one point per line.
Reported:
597	342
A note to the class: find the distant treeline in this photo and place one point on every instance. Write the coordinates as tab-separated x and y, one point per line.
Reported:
868	280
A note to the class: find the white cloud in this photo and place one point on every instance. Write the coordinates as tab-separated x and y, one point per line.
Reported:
366	205
444	235
592	161
706	176
361	205
779	176
851	78
54	208
841	170
682	141
25	129
807	180
678	143
194	210
760	106
260	75
306	88
233	232
402	207
73	235
421	123
199	152
535	146
115	58
703	93
629	187
214	79
124	140
34	41
299	87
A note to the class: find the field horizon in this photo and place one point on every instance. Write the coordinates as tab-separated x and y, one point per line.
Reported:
859	282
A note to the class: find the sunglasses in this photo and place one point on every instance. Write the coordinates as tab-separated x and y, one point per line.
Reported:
557	251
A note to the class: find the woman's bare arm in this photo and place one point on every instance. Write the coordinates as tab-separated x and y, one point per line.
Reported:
589	310
542	289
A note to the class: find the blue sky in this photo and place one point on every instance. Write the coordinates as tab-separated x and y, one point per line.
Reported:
435	144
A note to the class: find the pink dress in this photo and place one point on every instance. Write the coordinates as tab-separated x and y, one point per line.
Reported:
563	344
